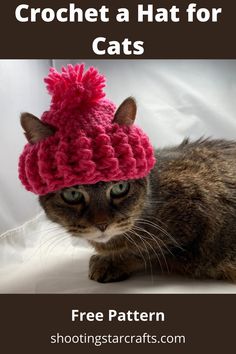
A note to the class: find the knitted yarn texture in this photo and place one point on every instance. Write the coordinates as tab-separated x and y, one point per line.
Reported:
87	146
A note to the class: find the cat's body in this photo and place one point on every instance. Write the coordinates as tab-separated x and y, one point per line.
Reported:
180	218
190	216
187	221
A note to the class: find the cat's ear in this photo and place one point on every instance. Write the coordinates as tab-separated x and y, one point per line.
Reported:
35	129
126	113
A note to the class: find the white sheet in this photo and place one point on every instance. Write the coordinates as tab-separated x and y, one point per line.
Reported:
176	98
39	257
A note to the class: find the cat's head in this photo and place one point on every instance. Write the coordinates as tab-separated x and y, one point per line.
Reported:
95	212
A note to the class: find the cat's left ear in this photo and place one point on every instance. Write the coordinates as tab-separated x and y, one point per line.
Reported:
35	129
126	113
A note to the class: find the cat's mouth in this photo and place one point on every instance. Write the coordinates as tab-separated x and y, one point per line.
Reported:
103	238
94	235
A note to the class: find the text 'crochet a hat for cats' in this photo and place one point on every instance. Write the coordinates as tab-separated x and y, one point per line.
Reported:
87	146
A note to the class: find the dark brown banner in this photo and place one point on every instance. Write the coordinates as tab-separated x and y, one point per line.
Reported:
144	29
114	323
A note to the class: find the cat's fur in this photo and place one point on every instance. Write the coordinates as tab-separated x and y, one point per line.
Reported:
181	218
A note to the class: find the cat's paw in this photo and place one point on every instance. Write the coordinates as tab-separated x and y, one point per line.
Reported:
105	270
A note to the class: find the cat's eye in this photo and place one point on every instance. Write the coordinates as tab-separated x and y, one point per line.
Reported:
72	196
119	189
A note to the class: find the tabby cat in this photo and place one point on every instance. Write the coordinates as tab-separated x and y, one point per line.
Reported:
180	219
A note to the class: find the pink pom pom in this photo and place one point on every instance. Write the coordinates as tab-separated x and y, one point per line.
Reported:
74	86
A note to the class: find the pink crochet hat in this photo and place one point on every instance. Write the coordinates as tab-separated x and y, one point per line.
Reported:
84	143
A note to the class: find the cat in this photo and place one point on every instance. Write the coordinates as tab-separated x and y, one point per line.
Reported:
181	218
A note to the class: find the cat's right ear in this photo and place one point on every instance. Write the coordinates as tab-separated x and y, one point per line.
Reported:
34	129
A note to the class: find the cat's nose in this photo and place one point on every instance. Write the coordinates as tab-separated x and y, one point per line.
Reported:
102	226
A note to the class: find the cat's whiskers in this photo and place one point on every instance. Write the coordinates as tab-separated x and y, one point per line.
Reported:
159	228
46	231
168	233
155	236
165	232
156	241
59	242
154	225
48	243
152	248
145	242
131	240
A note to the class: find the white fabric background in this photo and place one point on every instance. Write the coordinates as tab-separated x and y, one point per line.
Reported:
176	98
21	89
